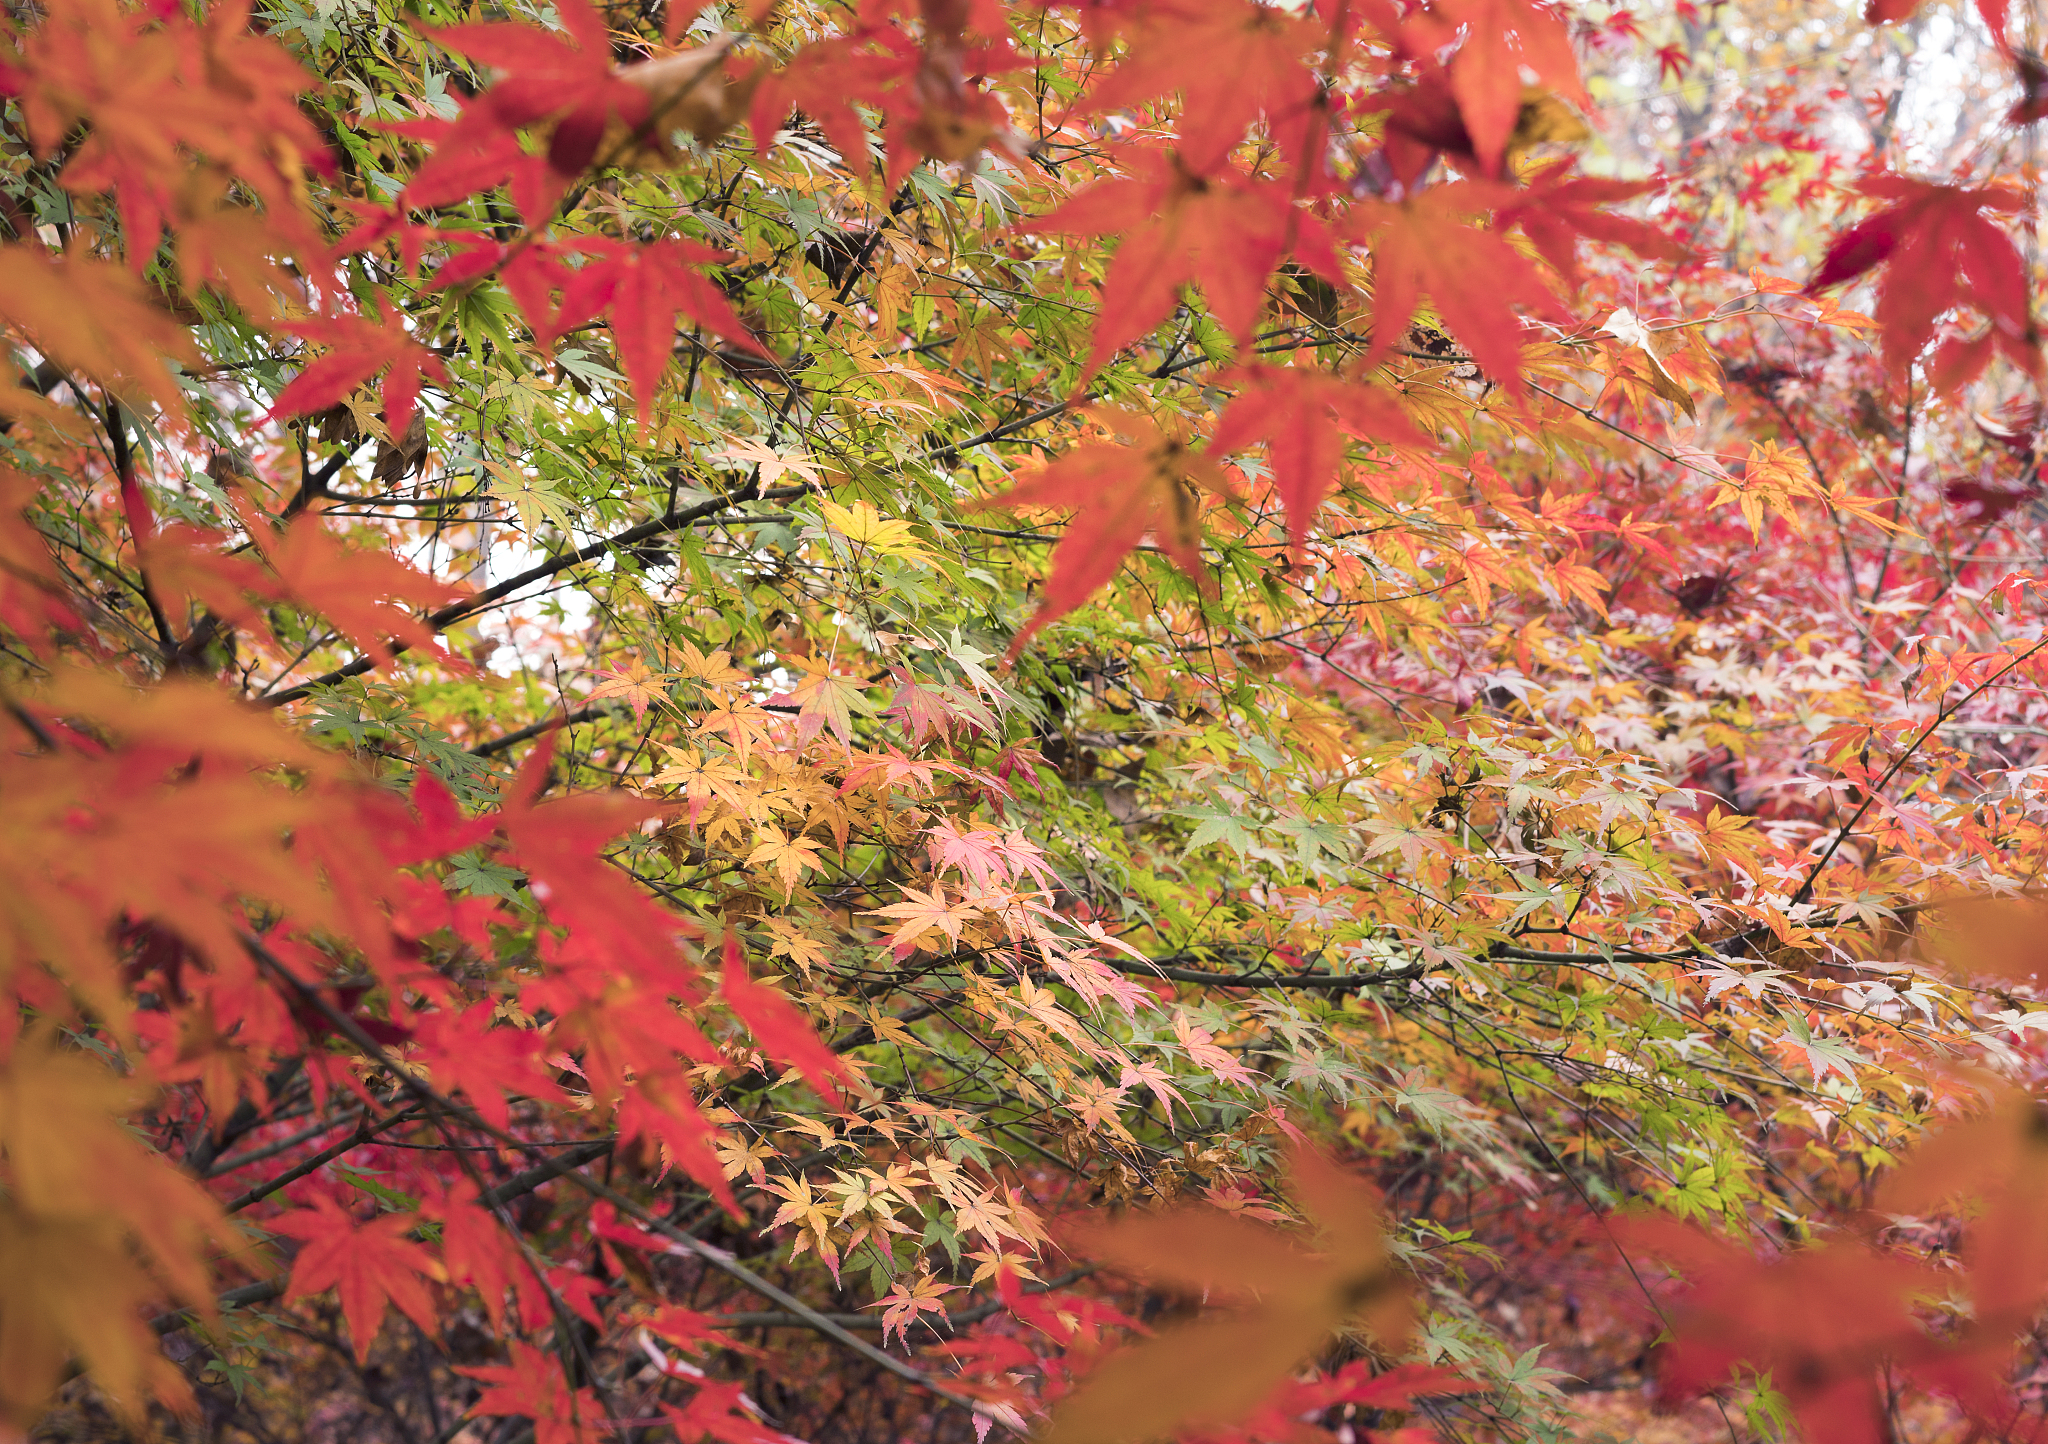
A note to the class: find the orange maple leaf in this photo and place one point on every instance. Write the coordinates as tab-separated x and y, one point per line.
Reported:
95	317
790	856
1217	1369
1121	493
639	685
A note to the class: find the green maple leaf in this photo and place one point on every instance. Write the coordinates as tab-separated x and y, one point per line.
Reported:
1216	824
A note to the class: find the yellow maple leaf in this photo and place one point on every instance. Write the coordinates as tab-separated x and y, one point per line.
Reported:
923	913
869	530
741	720
635	682
714	669
791	857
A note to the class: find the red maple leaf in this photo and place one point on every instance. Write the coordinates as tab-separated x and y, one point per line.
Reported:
309	567
1988	502
356	587
1556	209
782	1031
1893	12
357	349
724	1412
1303	416
662	1114
1231	61
368	1264
825	80
1942	252
1499	38
595	112
475	153
561	844
1120	494
532	1387
1429	246
1821	1321
1225	231
644	288
464	1053
1397	1388
437	829
691	1331
930	96
543	76
96	316
1423	121
476	1249
1621	26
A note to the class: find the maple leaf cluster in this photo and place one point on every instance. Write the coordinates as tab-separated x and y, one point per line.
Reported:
777	722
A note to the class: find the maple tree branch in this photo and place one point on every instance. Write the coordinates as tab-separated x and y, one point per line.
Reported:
546	1171
1259	979
245	1118
1620	430
363	1132
591	714
550	724
1161	372
240	1161
973	1314
141	527
29	724
560	562
1876	789
1337	982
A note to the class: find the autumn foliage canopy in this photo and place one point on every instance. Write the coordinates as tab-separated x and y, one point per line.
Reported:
1241	720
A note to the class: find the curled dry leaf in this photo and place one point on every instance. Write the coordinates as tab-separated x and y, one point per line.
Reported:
692	90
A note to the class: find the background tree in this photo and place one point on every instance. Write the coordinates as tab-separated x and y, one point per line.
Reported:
684	682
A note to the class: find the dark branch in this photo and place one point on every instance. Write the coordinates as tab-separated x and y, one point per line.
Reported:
559	562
